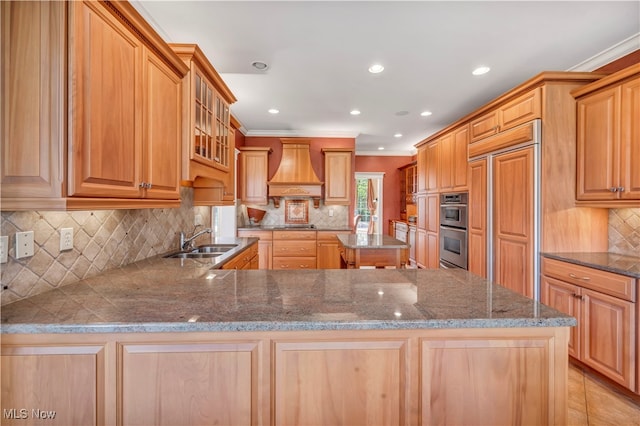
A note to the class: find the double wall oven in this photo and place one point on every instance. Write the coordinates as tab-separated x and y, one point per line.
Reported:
453	230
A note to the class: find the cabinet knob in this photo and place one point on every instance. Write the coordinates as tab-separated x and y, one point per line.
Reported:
621	189
613	189
142	185
578	296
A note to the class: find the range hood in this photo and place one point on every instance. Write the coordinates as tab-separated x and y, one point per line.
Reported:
295	176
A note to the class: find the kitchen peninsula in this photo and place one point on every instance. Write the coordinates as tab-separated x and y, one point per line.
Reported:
168	341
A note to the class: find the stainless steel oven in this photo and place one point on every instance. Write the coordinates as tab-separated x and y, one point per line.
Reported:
453	230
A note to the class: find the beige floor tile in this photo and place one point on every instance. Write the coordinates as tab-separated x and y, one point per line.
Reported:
577	412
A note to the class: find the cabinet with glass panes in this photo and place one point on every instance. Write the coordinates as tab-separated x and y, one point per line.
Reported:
207	148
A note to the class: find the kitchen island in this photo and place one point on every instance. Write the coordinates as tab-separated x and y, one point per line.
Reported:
167	341
378	251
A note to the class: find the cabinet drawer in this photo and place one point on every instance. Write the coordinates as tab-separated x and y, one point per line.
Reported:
594	279
294	235
262	235
294	262
294	248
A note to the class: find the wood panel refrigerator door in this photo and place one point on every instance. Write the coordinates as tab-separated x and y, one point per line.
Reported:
477	231
513	208
106	105
162	129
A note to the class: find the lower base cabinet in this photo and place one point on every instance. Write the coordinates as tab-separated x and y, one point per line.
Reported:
265	246
604	305
328	251
365	377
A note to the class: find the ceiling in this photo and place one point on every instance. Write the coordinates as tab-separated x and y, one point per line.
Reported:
318	54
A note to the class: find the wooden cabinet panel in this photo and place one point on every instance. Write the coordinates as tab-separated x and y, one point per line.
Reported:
295	235
294	262
433	251
65	383
33	103
265	246
433	213
597	138
630	140
162	128
445	385
422	211
412	245
106	104
608	336
294	248
453	160
422	251
328	250
306	374
189	383
566	298
421	172
484	126
477	209
245	260
338	176
445	168
253	173
513	220
432	166
608	140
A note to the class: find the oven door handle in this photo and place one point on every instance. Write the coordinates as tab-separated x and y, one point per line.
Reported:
446	265
452	228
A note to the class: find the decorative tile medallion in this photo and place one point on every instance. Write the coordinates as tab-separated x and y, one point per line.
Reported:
296	211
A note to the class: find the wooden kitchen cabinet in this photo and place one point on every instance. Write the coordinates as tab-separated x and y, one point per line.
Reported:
522	109
248	259
453	160
605	306
433	167
608	140
294	249
411	239
208	144
328	251
189	383
408	185
124	117
338	175
265	246
253	173
67	378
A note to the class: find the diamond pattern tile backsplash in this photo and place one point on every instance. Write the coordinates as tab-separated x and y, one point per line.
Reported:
102	239
624	231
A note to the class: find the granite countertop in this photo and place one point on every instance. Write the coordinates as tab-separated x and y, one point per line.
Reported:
359	241
218	262
610	262
182	295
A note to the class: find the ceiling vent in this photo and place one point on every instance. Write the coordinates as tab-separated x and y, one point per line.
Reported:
295	176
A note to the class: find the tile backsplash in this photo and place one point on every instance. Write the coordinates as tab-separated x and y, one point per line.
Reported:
624	231
324	216
103	239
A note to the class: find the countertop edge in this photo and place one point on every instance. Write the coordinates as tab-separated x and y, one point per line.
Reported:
569	258
283	326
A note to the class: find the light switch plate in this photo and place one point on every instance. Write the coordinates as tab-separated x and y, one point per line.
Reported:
66	239
4	249
24	244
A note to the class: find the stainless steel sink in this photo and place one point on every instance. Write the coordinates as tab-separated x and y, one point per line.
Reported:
203	251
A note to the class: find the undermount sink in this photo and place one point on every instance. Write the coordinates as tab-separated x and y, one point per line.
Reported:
203	251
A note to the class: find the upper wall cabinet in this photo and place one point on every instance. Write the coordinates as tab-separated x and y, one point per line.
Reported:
518	111
453	160
608	140
338	175
253	173
124	109
208	148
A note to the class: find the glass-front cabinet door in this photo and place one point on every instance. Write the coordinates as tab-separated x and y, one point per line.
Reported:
211	129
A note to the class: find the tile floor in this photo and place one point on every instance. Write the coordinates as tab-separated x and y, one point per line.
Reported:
595	403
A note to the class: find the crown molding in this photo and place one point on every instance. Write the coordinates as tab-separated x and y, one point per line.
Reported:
609	55
303	133
387	153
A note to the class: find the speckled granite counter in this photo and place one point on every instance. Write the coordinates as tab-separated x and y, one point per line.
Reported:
293	228
610	262
371	241
165	295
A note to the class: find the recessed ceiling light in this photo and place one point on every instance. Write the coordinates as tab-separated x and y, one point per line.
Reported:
355	112
481	70
381	148
273	111
259	65
425	113
397	135
376	68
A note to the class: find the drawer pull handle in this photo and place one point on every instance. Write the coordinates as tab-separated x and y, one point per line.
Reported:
574	276
578	296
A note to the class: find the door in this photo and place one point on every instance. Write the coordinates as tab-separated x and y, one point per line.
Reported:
513	221
368	212
566	298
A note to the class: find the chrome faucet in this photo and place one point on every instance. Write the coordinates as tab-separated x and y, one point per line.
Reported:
187	243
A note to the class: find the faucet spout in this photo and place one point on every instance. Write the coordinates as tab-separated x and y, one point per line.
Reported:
187	243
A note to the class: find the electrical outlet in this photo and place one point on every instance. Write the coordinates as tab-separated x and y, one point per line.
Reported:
4	249
24	244
330	212
197	220
66	239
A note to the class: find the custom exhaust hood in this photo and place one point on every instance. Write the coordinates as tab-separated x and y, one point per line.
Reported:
295	176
